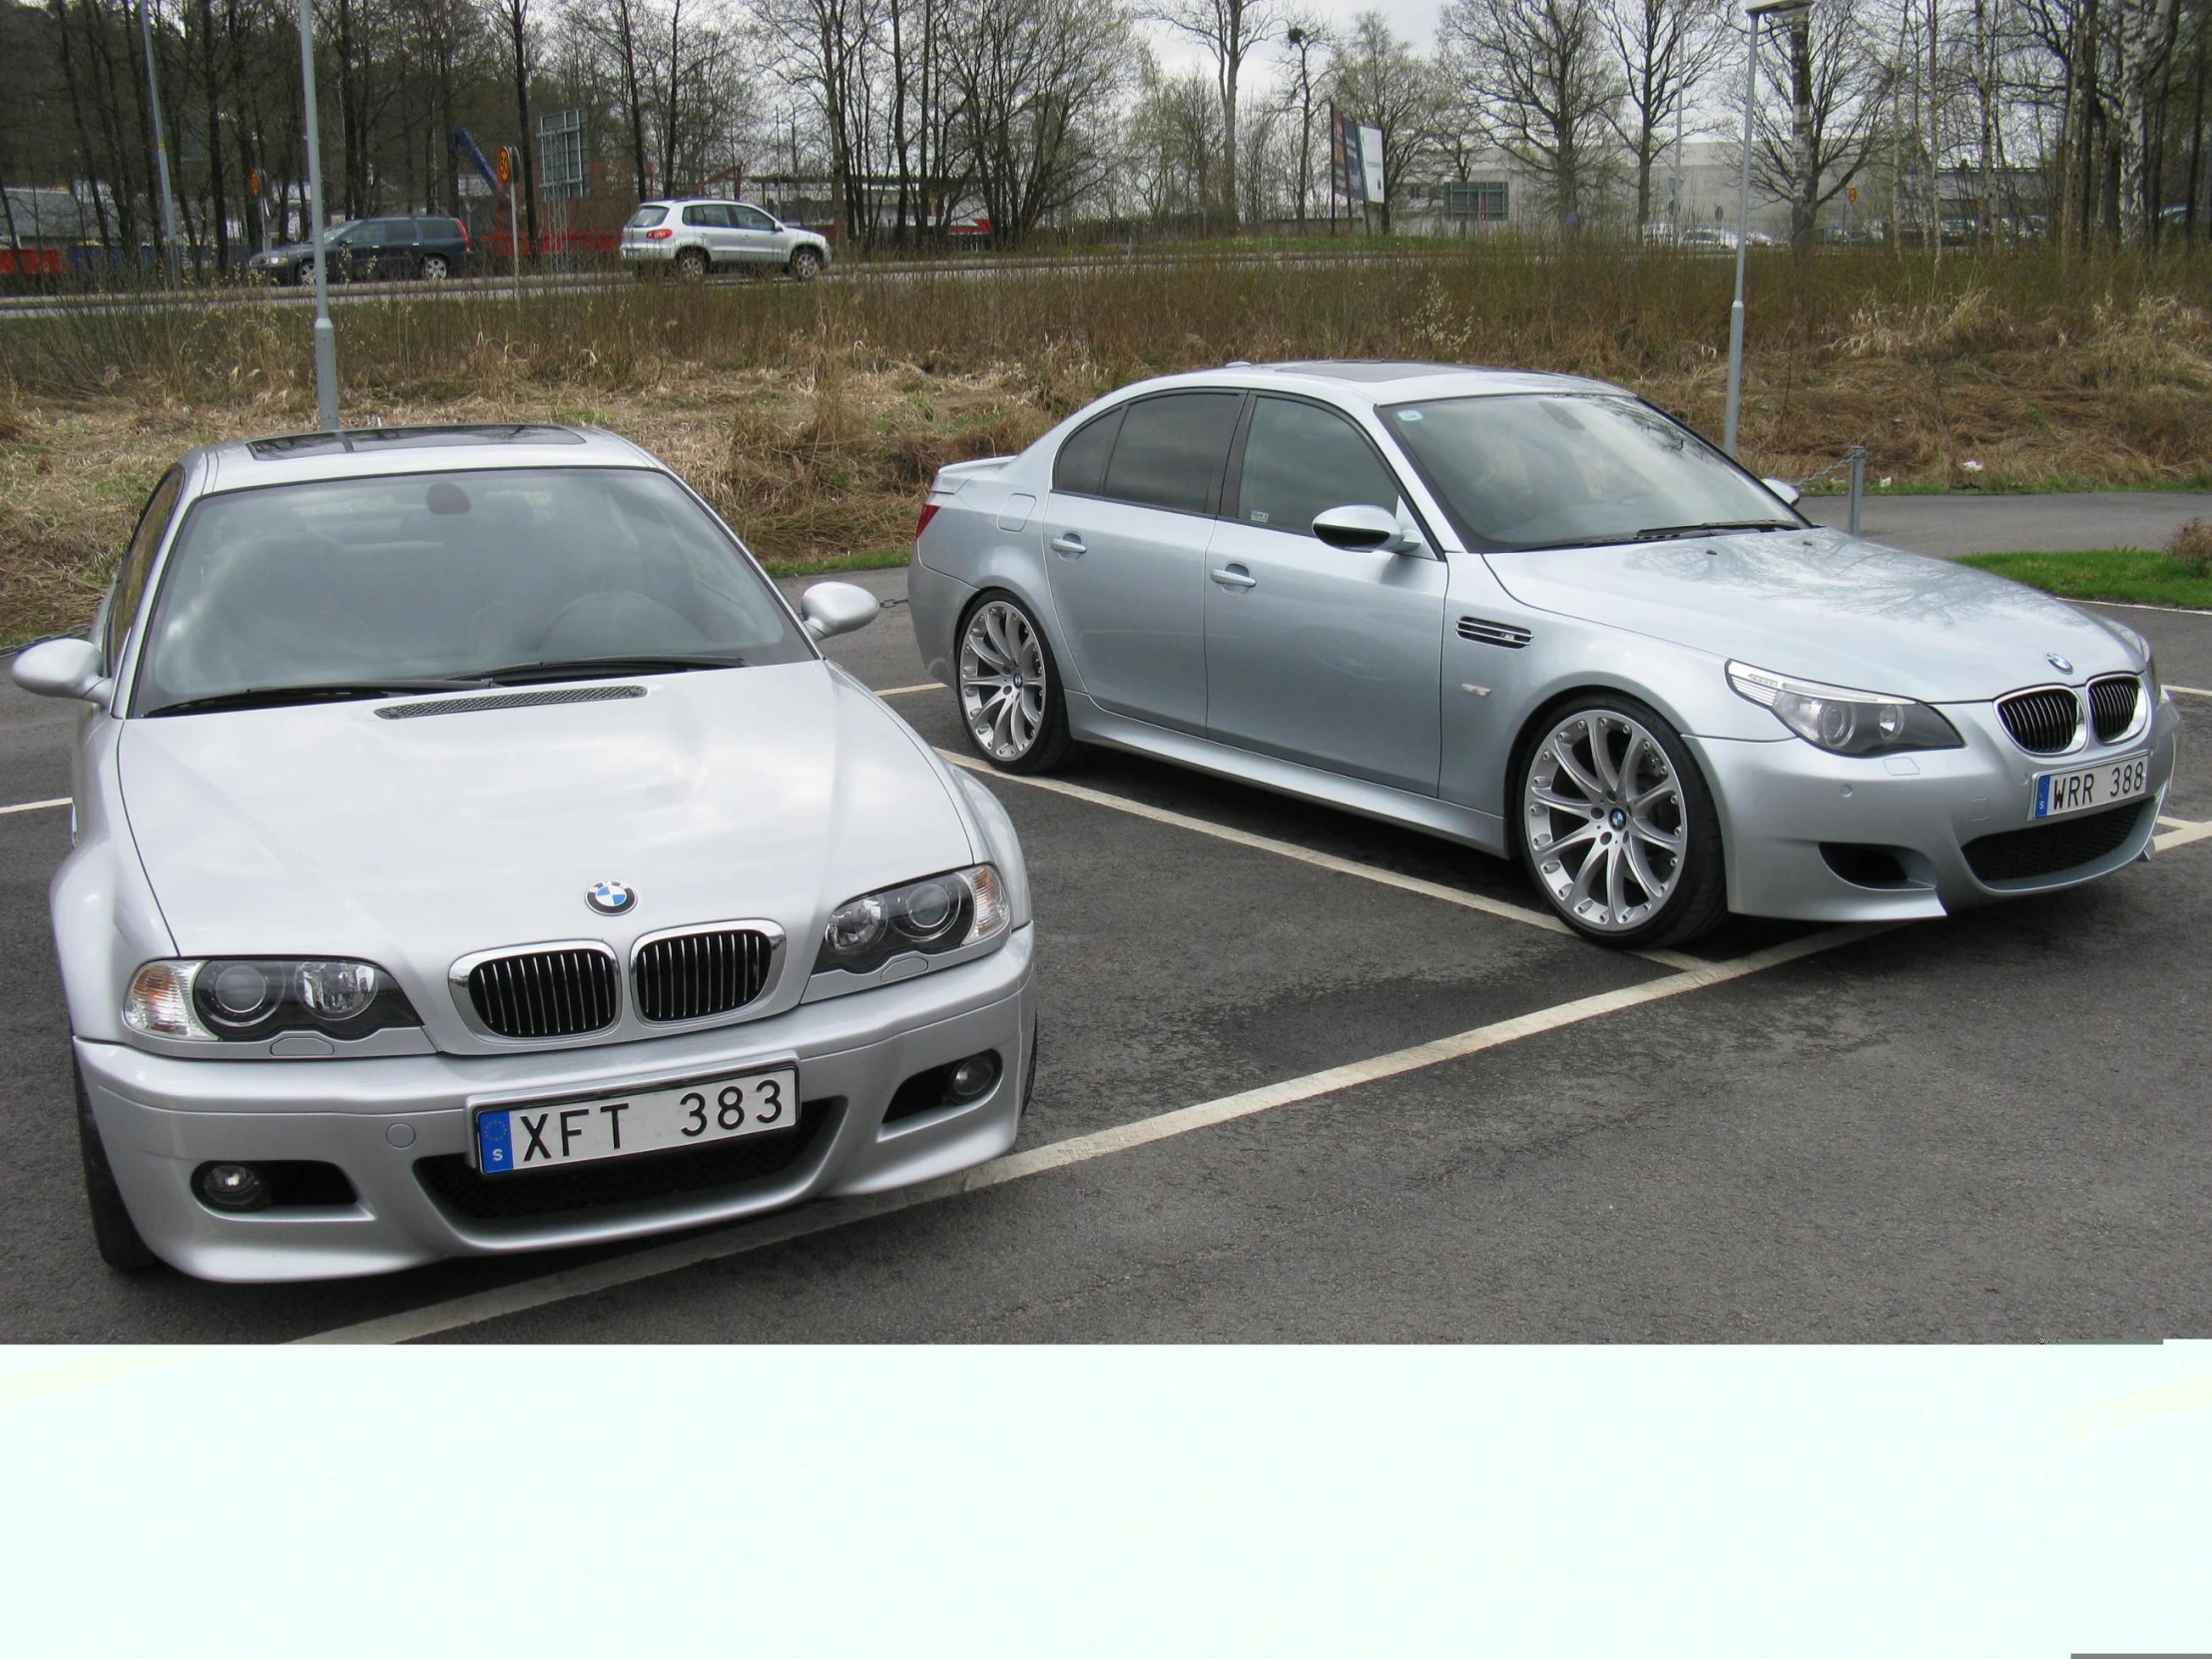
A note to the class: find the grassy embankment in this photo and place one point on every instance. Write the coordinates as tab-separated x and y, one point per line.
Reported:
813	417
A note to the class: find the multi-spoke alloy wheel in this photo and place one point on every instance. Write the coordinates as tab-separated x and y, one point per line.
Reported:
1008	700
1610	825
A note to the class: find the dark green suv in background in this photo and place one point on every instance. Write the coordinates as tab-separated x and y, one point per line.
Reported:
389	248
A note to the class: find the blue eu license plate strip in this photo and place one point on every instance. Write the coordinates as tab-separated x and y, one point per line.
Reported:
495	1153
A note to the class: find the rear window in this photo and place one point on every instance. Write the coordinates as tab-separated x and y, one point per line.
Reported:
1080	468
647	216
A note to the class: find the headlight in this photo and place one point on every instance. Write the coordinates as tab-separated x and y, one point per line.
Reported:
1845	722
932	915
248	999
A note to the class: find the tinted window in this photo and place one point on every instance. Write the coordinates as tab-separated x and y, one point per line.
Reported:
392	233
647	216
137	559
752	218
1171	450
1081	466
1302	461
450	574
437	230
707	212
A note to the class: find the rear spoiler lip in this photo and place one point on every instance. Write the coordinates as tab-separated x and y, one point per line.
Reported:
954	474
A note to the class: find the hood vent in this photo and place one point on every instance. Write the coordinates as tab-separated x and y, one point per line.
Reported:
1493	633
508	700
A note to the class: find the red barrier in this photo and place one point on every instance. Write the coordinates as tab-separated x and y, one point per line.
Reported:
31	261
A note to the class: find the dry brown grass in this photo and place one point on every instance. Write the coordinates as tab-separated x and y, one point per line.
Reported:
2192	545
813	417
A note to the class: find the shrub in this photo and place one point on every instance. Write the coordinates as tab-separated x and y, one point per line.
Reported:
2192	545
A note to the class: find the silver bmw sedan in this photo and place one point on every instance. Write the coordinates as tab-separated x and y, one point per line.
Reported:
1535	614
473	853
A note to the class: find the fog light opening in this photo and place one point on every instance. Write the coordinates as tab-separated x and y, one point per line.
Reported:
234	1188
972	1078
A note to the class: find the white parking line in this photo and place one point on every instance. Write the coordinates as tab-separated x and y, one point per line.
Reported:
34	805
1268	844
737	1239
2190	691
2182	835
909	691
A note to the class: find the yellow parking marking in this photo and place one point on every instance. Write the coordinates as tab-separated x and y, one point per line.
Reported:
909	691
743	1237
34	805
2190	691
1268	844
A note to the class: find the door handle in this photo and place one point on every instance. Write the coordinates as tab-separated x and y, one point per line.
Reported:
1069	544
1235	576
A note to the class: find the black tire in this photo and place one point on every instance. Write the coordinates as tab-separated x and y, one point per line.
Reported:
690	265
805	264
1049	744
112	1227
1695	900
434	268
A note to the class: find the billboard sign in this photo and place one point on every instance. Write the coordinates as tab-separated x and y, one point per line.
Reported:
1356	159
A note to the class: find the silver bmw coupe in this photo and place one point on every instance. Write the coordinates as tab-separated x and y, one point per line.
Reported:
1537	616
473	853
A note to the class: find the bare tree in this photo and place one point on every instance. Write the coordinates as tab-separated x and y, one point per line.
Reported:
1665	49
1035	80
1229	30
1547	68
1820	118
1302	36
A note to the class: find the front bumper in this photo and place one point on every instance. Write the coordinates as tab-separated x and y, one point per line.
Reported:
1780	800
161	1117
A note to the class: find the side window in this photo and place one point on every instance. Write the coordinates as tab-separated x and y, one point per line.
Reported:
1171	450
137	563
752	218
1080	467
1300	460
708	213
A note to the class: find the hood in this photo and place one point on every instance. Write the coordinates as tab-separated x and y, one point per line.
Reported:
1819	605
775	792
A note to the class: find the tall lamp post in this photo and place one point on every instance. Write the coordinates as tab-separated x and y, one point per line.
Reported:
1758	16
325	338
160	145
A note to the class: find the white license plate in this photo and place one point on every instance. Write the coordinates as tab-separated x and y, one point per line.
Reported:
2087	787
514	1139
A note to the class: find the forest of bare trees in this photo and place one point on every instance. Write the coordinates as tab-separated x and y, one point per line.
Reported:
1983	120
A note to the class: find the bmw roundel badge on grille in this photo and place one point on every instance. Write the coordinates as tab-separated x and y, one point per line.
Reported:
612	898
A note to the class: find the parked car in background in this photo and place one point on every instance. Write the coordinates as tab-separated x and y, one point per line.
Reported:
474	852
693	237
389	248
1533	614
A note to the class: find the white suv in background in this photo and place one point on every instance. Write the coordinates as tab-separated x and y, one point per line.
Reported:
696	235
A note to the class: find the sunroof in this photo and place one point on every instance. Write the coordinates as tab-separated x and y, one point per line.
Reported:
1369	370
371	440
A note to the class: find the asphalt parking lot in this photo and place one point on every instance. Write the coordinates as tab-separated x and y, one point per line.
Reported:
1307	1078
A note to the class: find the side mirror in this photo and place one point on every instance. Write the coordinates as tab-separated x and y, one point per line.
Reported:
63	668
1784	489
837	608
1358	530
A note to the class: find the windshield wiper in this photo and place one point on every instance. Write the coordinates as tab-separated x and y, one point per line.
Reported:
274	697
602	667
1668	532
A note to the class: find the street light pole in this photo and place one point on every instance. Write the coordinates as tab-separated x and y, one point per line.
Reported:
1756	16
325	338
161	143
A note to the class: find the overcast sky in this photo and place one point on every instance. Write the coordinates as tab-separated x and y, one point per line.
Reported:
1411	20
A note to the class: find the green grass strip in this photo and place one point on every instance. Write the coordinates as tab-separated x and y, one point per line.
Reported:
2126	575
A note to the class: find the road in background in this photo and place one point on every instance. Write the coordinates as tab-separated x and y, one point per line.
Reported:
1949	525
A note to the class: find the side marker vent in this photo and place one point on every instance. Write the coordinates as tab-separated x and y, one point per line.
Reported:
1493	633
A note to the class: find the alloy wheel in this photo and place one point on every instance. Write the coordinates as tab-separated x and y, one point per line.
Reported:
1002	681
1607	820
434	270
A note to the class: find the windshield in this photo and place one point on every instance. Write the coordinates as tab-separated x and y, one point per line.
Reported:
414	580
1519	473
